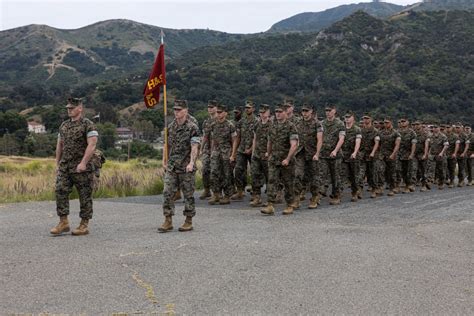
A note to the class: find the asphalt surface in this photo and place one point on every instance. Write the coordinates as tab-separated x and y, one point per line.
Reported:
409	254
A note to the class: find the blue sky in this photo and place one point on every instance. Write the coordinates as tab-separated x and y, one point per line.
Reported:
234	16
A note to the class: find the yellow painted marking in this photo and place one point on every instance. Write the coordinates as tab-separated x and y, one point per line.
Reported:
150	293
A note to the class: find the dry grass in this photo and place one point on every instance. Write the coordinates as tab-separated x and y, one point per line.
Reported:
33	179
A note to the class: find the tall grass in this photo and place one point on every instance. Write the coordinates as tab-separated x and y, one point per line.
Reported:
33	179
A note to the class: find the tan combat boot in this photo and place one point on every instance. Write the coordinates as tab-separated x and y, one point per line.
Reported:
167	225
82	228
187	226
288	210
257	201
225	200
177	196
391	193
359	194
336	200
396	190
423	188
279	197
406	189
215	199
238	196
268	210
296	203
302	196
314	201
62	227
354	197
205	194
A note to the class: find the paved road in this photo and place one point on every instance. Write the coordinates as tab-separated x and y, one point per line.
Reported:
402	255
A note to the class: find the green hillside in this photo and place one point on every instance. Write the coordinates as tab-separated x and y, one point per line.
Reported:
316	21
420	64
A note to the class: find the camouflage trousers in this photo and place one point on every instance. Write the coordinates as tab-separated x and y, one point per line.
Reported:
368	169
306	172
350	171
175	182
469	165
451	169
278	174
440	169
259	172
331	168
206	171
430	169
420	170
240	171
406	168
84	183
389	172
221	175
461	168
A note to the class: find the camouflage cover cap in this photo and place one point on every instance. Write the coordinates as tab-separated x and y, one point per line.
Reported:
367	115
238	109
264	108
288	103
416	122
73	102
249	104
307	107
222	107
183	104
349	114
330	106
387	119
212	103
280	107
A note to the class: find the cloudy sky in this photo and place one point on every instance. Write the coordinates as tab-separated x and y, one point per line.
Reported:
233	16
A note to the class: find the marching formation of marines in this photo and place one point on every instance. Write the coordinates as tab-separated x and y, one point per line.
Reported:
287	156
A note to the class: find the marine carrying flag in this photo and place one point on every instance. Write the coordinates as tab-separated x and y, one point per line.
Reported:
157	78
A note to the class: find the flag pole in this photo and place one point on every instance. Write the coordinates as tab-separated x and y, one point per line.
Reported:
165	111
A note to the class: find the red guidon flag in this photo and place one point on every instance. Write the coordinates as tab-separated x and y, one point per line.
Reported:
157	78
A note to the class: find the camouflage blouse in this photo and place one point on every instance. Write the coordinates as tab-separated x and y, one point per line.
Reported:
307	132
388	137
74	136
261	131
181	137
348	147
408	138
332	131
245	132
280	136
220	135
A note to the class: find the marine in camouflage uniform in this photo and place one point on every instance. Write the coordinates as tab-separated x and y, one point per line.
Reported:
259	165
463	149
310	133
281	148
183	148
370	165
223	138
470	155
331	155
206	151
245	134
406	154
422	154
351	156
389	146
439	146
76	144
452	153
